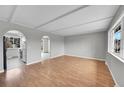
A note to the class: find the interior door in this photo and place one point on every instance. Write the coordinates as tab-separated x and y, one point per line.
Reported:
4	53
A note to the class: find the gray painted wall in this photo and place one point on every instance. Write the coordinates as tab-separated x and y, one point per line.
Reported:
92	45
33	42
89	45
115	65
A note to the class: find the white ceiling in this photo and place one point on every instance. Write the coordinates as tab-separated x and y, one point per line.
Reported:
62	20
5	12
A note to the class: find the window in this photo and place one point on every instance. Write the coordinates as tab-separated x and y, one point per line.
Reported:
12	42
116	41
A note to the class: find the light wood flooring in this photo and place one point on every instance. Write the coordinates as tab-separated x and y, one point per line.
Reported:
64	71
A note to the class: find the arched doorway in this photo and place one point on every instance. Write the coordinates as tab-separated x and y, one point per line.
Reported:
14	49
45	47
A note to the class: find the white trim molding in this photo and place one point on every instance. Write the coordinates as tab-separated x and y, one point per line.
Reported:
34	62
116	84
85	57
41	60
57	56
116	56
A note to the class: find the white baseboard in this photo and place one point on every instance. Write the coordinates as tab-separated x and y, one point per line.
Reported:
85	57
1	71
57	56
41	60
34	62
116	84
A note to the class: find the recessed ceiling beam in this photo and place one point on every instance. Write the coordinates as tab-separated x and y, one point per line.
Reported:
12	13
73	26
61	16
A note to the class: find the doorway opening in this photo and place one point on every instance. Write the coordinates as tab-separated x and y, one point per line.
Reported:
45	47
14	49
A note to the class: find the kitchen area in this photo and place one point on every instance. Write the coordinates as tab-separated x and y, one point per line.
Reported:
15	46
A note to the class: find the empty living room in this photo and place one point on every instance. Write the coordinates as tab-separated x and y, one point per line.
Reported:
61	45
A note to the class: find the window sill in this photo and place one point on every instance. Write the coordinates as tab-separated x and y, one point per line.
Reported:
117	56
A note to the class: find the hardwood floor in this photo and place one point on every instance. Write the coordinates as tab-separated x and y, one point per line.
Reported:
64	71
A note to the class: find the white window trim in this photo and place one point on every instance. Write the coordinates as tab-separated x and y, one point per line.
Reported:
110	40
119	58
